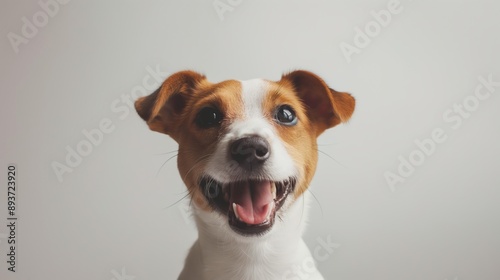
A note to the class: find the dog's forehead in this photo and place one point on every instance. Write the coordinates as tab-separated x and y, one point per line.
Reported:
253	93
250	99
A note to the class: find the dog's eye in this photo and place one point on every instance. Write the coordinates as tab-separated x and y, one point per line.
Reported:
285	115
208	117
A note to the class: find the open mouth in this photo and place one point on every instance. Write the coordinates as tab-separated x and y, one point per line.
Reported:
251	205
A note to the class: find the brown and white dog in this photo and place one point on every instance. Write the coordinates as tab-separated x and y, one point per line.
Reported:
247	153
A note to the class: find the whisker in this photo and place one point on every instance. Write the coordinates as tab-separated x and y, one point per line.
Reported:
189	191
279	217
176	201
158	172
331	158
167	153
200	159
302	212
181	192
190	200
327	145
319	204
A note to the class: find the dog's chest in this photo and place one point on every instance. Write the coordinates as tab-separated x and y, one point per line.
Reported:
263	262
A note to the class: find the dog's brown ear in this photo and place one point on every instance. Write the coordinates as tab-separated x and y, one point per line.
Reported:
161	109
325	107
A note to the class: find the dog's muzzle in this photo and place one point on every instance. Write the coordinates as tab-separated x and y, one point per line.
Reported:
250	206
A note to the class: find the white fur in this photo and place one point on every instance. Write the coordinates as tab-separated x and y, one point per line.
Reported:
220	253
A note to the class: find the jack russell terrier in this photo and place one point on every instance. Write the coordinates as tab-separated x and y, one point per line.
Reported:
247	153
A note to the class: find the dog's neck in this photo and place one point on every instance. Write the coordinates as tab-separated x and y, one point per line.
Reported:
220	254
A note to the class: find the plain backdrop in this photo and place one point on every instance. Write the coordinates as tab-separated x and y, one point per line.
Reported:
111	215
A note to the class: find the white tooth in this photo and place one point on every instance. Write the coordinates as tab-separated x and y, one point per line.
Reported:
236	212
269	212
273	190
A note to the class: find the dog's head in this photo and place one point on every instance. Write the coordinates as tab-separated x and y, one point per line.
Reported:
247	149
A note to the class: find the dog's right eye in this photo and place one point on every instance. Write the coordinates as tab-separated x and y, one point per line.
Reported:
208	117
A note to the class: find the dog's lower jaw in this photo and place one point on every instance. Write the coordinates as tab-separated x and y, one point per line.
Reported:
279	254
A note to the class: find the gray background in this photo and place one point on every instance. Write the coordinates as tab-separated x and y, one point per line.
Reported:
109	217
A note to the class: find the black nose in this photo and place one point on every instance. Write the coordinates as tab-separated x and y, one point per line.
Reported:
250	151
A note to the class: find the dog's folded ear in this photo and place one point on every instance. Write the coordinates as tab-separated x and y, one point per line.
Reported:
162	109
325	107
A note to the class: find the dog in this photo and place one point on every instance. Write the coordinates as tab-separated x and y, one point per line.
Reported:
247	154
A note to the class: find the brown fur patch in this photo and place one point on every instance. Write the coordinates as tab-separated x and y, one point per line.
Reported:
196	145
300	139
325	107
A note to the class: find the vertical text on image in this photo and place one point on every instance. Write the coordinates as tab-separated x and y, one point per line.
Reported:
12	188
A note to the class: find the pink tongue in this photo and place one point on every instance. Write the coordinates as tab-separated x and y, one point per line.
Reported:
253	201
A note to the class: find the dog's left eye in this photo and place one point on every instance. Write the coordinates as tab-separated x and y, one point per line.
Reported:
208	117
285	115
